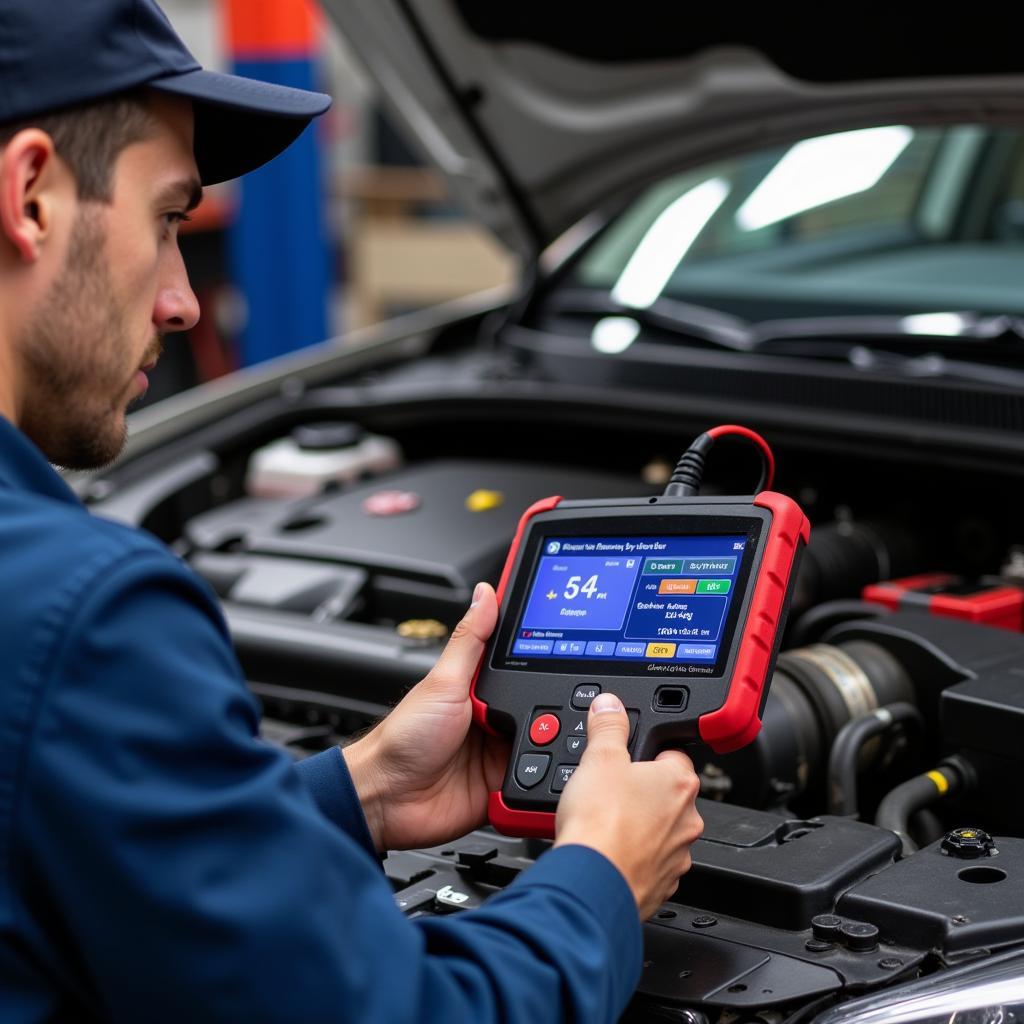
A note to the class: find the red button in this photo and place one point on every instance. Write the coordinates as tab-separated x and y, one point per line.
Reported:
544	730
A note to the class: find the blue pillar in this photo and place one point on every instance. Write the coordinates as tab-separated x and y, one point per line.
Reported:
278	246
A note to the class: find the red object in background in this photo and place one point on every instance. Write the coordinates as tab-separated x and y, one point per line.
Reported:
214	213
987	602
279	29
391	503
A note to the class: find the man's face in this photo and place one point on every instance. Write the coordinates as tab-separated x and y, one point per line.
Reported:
87	344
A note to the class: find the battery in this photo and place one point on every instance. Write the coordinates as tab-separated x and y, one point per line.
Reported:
989	601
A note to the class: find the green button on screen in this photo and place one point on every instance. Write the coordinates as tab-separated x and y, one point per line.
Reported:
713	586
662	566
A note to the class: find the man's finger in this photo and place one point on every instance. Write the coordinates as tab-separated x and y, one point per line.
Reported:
607	724
677	756
459	659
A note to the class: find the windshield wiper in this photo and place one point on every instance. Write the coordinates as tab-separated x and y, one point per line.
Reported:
838	338
694	323
932	366
967	328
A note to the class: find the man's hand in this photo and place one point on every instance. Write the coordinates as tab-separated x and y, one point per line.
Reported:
423	775
640	816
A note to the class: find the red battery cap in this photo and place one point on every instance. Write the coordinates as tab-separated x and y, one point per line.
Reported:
391	503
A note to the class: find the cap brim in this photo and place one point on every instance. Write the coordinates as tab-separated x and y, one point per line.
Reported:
241	123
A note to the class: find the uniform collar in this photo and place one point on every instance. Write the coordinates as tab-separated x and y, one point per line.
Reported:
23	467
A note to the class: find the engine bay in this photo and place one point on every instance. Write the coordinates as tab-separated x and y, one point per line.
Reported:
871	835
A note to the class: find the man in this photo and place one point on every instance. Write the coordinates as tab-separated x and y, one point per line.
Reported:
158	862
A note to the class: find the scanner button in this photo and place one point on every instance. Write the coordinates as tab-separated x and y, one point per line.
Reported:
544	730
531	769
575	745
661	650
583	696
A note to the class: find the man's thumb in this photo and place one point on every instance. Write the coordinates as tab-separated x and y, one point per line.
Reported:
607	724
459	659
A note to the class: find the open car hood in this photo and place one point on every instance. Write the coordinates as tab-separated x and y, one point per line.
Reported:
540	114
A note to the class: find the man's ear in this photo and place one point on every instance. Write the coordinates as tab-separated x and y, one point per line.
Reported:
28	171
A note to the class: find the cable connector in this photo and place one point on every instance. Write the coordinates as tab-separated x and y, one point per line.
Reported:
689	472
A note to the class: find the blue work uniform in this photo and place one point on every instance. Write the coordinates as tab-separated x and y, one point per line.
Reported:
160	862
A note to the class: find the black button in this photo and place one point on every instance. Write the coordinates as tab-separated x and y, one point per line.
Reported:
671	698
575	745
826	927
818	946
476	854
531	769
583	696
577	725
563	773
859	936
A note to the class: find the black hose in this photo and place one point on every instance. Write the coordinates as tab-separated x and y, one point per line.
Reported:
843	759
927	825
814	623
954	775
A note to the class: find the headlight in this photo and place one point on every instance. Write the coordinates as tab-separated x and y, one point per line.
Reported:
989	992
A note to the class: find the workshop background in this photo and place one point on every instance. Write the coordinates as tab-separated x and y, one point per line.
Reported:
348	228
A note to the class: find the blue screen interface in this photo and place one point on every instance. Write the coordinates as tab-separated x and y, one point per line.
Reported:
630	598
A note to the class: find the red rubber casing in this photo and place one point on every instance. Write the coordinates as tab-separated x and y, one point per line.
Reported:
737	721
532	824
510	822
479	707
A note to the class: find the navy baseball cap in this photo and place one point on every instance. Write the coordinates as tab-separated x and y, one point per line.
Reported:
59	53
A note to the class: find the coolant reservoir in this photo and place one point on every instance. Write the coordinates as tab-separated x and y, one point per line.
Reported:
317	455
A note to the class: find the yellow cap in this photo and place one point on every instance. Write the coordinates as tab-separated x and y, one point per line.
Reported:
422	629
484	501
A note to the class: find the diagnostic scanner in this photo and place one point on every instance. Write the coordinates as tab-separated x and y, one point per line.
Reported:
674	603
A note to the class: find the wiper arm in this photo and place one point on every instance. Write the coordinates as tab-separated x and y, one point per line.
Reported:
841	338
934	365
686	320
967	327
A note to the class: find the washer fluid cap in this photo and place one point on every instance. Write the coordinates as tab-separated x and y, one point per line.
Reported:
967	843
319	437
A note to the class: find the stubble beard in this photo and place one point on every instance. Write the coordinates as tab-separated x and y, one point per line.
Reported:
76	352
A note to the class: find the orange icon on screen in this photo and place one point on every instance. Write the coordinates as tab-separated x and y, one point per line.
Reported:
678	587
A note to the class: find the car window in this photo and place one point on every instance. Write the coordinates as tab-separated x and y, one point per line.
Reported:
893	219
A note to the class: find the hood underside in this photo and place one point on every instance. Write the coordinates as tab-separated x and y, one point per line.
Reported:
540	114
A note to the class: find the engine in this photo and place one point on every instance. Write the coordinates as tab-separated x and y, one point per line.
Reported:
872	834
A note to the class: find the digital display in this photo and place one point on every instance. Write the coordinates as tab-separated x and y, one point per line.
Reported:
630	598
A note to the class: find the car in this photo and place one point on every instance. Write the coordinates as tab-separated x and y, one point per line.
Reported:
716	223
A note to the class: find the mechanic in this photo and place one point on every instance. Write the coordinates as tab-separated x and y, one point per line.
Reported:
159	861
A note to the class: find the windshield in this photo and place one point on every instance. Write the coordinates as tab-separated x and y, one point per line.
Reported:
893	220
